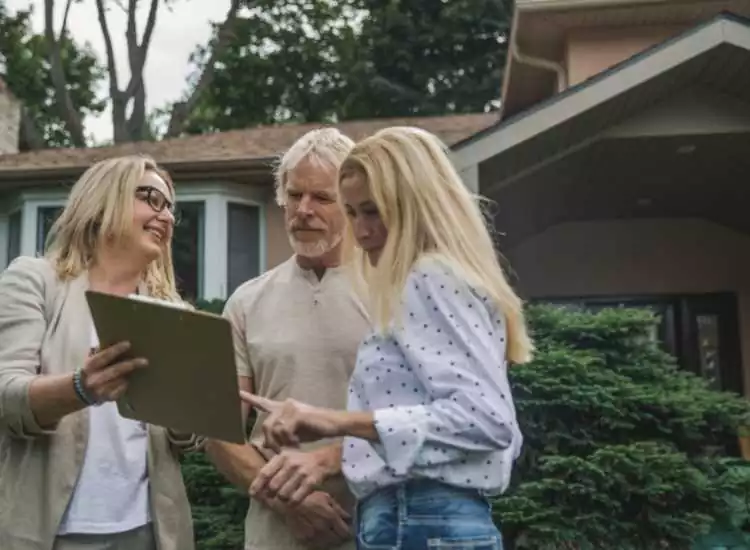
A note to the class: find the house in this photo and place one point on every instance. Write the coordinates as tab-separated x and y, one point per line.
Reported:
231	228
620	167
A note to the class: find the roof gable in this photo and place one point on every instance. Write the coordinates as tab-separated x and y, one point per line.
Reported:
714	54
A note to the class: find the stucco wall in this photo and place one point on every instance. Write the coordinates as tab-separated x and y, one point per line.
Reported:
10	120
590	51
639	257
277	244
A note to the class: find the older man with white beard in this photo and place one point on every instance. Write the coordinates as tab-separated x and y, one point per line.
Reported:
296	332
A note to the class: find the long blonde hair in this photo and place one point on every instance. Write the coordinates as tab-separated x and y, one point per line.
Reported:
428	212
100	205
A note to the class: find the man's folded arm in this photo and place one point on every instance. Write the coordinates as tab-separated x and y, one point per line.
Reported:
237	463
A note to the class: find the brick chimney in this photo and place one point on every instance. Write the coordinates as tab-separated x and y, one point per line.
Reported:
10	120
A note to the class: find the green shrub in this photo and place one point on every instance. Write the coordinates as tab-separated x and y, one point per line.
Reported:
622	449
218	508
212	306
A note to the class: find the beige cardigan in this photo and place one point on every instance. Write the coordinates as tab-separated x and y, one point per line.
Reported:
44	328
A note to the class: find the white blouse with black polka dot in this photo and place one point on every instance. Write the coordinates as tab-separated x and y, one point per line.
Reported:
437	382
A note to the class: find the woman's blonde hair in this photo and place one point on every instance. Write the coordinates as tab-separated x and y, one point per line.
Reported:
100	206
428	211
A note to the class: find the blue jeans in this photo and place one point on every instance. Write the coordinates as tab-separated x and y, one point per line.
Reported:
426	515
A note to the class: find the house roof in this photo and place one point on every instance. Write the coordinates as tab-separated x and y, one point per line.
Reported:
237	149
713	55
541	29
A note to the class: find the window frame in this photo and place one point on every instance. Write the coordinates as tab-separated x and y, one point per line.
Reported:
678	331
8	217
215	195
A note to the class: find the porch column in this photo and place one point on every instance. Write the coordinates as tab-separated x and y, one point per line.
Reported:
470	176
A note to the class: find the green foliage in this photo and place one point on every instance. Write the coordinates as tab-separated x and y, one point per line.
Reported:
423	58
218	508
282	64
212	306
731	531
27	73
622	449
302	61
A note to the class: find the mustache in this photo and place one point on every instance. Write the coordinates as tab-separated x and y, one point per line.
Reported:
301	226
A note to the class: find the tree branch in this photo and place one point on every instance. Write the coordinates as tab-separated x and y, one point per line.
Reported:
64	26
114	89
137	52
68	113
119	100
120	5
182	109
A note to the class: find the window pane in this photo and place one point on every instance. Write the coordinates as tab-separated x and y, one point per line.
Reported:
187	249
708	349
14	235
45	218
244	244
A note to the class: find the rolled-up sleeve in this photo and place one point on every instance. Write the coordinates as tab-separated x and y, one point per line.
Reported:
455	344
22	329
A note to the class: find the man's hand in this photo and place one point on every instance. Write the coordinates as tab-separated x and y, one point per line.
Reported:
300	528
317	520
292	475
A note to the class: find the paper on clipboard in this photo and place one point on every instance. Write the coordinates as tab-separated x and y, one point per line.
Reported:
190	384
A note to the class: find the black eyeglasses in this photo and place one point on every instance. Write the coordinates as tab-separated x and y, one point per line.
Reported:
156	200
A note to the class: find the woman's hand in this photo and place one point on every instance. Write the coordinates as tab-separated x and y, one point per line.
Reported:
290	422
104	376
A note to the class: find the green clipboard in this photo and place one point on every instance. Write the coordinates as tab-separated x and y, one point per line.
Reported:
190	384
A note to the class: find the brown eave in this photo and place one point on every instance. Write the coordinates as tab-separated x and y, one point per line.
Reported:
238	154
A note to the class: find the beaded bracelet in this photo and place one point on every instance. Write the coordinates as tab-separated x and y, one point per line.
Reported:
78	386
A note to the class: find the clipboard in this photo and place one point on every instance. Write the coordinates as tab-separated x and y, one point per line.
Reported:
190	384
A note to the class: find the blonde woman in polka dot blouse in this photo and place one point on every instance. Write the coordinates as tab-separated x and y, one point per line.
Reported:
430	431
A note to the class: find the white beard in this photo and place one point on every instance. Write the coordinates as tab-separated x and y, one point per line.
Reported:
314	249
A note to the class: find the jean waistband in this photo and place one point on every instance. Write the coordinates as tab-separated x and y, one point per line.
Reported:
415	493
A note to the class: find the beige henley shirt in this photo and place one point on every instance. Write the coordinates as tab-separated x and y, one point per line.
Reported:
296	337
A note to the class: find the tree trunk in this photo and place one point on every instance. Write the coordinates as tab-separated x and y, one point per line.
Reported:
182	109
133	126
29	135
68	112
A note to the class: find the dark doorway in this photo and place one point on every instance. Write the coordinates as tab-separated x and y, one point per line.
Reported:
700	330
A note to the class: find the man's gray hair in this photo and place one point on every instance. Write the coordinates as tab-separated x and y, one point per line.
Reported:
326	145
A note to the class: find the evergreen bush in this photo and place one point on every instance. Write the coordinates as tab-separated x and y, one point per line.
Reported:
622	449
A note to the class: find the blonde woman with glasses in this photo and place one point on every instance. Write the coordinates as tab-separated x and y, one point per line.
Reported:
74	474
430	432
